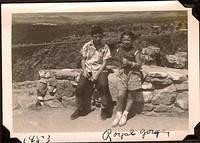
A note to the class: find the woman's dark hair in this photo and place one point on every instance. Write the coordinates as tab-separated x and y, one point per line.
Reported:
129	33
96	30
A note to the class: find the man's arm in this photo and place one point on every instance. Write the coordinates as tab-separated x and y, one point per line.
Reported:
102	67
107	55
85	73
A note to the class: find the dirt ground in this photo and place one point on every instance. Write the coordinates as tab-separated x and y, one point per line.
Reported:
58	120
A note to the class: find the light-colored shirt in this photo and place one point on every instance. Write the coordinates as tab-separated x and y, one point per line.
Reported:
93	57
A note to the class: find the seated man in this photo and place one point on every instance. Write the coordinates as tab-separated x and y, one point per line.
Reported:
95	54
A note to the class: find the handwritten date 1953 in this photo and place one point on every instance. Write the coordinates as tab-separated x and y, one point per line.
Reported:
37	139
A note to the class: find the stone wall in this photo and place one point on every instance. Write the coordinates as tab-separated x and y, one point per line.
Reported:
164	91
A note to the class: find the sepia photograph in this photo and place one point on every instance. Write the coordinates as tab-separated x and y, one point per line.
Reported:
120	74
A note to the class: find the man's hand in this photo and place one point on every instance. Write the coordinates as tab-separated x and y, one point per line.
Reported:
124	61
86	74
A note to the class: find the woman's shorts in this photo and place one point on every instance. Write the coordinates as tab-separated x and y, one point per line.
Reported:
131	81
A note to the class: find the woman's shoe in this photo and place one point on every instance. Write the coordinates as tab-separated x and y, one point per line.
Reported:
117	119
115	122
123	120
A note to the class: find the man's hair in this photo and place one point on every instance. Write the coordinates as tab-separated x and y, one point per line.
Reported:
96	30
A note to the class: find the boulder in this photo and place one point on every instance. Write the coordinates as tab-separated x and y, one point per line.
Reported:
178	112
164	96
68	101
150	54
144	97
181	54
170	88
176	61
148	107
182	101
177	76
182	86
145	74
157	74
159	82
163	108
65	88
147	86
150	50
64	74
54	103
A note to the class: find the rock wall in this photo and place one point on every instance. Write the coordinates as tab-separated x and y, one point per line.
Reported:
164	91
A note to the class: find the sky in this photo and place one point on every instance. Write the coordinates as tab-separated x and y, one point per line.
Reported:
75	18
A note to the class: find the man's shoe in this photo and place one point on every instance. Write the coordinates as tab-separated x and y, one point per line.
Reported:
110	109
103	114
77	114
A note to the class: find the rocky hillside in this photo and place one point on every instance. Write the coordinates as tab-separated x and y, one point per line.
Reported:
27	61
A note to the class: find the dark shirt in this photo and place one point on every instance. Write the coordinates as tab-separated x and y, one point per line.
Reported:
125	52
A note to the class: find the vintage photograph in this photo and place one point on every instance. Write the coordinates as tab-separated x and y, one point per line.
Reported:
97	66
107	72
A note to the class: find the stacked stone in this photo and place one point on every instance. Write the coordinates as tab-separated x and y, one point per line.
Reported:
151	55
164	93
179	60
62	82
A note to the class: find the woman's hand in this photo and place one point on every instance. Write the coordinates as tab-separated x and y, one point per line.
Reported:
94	77
86	74
124	61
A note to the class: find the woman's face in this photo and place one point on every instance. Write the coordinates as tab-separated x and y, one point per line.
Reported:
127	41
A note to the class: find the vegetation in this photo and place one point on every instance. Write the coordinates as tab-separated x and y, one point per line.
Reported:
26	61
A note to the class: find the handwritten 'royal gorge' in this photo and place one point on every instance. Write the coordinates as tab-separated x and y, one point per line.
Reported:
109	134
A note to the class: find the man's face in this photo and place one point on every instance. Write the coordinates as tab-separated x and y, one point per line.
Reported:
97	38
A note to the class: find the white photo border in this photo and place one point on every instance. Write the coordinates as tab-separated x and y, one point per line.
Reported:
193	60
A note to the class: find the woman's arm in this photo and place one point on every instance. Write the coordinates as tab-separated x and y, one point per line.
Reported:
138	60
137	64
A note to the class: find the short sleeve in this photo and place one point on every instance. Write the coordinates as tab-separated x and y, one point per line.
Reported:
138	56
137	52
107	53
84	50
